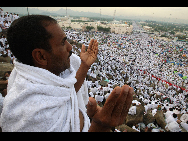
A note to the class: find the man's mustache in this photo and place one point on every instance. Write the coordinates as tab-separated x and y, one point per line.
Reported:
70	53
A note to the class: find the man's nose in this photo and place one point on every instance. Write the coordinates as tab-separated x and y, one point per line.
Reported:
69	48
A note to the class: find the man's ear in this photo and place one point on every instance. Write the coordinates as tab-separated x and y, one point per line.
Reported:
40	57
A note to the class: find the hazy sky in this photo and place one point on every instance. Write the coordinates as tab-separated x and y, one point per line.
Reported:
168	12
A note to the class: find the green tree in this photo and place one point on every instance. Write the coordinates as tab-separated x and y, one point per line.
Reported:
89	28
69	27
172	32
100	28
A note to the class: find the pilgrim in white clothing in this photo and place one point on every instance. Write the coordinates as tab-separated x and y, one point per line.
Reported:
39	101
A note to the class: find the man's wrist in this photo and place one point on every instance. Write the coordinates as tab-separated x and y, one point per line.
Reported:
84	65
97	127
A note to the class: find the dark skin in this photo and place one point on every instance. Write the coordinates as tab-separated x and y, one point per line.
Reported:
58	60
117	105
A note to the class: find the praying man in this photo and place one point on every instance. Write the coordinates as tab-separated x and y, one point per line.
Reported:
45	87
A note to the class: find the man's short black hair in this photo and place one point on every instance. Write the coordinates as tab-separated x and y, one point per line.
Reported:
28	33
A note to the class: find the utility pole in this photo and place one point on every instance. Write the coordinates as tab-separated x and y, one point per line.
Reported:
114	15
66	11
28	11
100	14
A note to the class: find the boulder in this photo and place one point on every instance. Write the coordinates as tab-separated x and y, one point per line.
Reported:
109	76
139	100
148	118
2	87
135	119
179	116
103	83
123	127
123	72
159	117
158	97
5	67
115	86
5	59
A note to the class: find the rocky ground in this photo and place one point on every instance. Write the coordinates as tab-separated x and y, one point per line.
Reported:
4	67
158	119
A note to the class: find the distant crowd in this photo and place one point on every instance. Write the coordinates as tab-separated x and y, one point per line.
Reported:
5	21
156	69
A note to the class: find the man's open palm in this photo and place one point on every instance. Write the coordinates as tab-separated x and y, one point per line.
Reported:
89	56
115	109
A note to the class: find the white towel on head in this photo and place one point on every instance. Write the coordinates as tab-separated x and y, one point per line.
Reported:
40	101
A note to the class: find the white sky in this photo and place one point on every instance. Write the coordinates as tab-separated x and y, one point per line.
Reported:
176	12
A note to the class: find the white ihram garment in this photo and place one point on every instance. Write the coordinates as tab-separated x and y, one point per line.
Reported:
40	101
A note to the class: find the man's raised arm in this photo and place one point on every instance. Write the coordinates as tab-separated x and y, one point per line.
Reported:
87	59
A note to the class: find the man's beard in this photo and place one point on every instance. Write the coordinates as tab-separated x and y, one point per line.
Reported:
58	66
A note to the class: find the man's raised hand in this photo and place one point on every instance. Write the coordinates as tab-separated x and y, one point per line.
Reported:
114	111
88	57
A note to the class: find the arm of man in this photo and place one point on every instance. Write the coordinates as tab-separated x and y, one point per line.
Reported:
80	76
88	58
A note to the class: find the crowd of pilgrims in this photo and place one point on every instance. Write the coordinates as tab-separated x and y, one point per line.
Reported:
6	20
156	69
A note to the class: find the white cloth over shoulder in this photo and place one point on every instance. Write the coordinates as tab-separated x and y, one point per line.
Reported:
40	101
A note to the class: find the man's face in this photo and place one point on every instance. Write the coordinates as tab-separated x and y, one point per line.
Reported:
60	56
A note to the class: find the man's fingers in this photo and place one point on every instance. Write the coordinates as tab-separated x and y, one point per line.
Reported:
91	43
91	107
96	43
120	103
83	49
115	109
93	46
111	102
127	105
96	47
